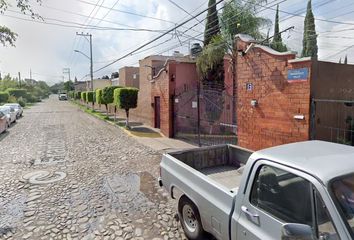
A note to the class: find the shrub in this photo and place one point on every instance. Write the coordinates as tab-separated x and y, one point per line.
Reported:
31	98
90	96
22	102
77	95
83	96
126	98
107	95
17	93
4	97
98	96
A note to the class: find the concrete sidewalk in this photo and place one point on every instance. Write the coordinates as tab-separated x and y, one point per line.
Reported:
164	144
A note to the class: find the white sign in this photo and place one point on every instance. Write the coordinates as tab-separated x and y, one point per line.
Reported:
194	104
176	100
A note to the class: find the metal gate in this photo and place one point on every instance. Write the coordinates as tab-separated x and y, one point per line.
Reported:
333	121
205	120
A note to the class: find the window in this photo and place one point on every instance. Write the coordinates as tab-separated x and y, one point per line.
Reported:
291	199
283	195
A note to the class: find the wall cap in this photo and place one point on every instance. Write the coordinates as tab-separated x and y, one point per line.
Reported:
274	52
296	60
245	38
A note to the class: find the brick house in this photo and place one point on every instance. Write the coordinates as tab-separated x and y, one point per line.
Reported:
129	77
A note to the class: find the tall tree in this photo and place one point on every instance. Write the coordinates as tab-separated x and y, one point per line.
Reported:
277	43
346	59
309	48
212	27
8	37
340	61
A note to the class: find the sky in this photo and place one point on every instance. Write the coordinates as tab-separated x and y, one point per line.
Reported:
45	47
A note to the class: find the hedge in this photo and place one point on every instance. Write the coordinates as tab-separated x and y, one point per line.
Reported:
83	96
77	95
4	97
126	98
99	96
17	93
107	94
90	97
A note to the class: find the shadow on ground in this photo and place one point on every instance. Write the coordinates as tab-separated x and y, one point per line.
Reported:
144	132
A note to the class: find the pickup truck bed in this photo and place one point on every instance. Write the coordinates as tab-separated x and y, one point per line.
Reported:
222	164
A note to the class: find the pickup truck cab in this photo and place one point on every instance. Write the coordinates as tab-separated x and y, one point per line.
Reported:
296	191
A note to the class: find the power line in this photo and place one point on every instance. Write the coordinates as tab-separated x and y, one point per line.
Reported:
181	8
158	37
109	10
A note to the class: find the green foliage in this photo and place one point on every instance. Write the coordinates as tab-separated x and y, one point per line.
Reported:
244	20
99	96
212	27
6	35
69	86
77	95
83	96
90	97
4	97
56	88
309	43
126	98
107	94
71	94
277	43
17	93
22	102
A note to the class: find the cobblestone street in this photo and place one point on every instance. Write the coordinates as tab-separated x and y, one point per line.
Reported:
68	175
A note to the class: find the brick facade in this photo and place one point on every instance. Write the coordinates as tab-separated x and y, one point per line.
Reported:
177	77
272	121
129	77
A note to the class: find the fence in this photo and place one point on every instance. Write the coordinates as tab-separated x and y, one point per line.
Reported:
333	120
209	119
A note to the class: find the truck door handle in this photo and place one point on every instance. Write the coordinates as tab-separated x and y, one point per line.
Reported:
248	213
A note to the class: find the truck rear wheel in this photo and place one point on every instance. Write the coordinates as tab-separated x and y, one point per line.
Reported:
190	219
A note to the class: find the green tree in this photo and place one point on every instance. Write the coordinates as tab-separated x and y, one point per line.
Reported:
346	59
4	96
91	98
309	43
212	27
7	37
69	86
108	96
126	98
277	43
99	97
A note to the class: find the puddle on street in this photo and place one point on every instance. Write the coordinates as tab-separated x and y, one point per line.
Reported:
133	191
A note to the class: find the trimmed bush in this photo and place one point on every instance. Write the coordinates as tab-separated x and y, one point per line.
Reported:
90	96
4	97
22	102
83	96
17	93
98	96
126	98
107	95
77	95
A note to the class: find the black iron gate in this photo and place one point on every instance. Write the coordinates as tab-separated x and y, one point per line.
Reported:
207	119
332	120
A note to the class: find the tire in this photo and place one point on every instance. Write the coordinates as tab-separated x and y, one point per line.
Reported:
190	219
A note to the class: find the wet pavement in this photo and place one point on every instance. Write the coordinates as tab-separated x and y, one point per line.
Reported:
67	175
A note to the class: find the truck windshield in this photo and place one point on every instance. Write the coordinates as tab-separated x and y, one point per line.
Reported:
343	192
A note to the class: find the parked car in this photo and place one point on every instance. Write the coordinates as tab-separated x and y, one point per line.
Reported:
17	107
3	122
10	113
63	96
302	190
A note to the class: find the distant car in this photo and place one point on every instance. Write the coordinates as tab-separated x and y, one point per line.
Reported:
3	122
10	114
17	107
63	96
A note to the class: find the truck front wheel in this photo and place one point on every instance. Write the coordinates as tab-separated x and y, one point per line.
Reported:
190	219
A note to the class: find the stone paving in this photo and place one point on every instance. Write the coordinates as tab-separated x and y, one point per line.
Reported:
67	175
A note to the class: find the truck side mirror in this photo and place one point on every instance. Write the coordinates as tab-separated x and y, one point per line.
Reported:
295	231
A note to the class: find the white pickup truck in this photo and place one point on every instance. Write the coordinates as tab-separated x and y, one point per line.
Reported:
299	191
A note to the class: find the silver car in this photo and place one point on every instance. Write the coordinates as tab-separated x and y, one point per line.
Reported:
10	114
17	107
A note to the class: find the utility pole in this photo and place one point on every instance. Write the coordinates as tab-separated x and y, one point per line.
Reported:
67	71
19	79
91	59
31	74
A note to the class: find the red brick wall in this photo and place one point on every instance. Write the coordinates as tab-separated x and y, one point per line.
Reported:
272	122
178	76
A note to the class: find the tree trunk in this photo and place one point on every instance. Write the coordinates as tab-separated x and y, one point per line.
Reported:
106	109
127	120
115	113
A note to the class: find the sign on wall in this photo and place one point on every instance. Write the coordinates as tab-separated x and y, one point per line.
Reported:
298	75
